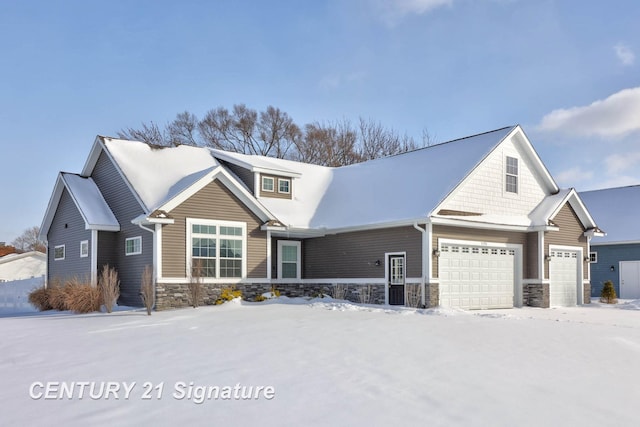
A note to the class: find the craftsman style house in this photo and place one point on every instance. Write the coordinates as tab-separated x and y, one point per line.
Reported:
474	223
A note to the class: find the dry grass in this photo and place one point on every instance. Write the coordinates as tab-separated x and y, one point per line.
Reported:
109	286
338	291
147	289
39	298
58	296
414	296
84	298
365	294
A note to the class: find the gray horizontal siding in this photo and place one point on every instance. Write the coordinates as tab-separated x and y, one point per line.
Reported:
112	250
214	202
353	255
245	175
68	228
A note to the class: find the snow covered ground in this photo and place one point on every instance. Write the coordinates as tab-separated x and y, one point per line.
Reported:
328	363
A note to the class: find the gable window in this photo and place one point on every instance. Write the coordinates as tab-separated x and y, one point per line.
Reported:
593	257
58	252
133	246
289	259
512	175
284	186
84	249
217	248
268	184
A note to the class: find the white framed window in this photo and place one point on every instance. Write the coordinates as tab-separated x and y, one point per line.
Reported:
511	175
84	249
593	257
284	186
396	270
133	246
216	249
268	184
59	252
289	259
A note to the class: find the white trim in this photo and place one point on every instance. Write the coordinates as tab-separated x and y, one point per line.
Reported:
620	242
518	258
217	223
269	256
287	180
507	174
133	239
541	256
64	252
273	183
94	257
157	251
86	244
595	261
298	246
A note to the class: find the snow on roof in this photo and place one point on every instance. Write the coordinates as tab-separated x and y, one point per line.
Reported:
158	174
259	163
87	197
616	212
404	187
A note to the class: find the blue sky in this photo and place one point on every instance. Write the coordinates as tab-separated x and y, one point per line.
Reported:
566	70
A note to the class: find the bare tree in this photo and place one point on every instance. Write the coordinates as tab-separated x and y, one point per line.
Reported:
29	241
195	285
273	132
149	133
183	130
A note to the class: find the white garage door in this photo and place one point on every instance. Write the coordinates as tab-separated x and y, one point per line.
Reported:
476	277
563	278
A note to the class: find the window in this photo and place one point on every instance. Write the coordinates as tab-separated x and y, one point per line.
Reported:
289	259
217	248
84	249
284	186
593	257
133	246
512	175
267	184
58	253
396	273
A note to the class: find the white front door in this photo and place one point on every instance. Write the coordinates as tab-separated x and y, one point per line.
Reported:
630	279
476	277
563	278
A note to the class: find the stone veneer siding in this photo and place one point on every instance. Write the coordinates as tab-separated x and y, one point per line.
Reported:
587	293
536	295
432	295
176	295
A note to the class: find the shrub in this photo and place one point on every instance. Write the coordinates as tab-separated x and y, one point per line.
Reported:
147	289
195	284
228	294
39	298
58	296
608	294
338	291
109	287
83	298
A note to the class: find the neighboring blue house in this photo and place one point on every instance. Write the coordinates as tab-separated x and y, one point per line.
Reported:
616	256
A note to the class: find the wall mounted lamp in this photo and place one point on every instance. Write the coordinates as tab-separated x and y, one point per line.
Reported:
547	258
587	259
436	253
377	263
612	268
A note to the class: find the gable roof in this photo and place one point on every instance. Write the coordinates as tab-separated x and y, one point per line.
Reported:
88	200
616	210
399	189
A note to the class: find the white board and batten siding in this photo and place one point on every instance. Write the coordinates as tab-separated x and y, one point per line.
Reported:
477	275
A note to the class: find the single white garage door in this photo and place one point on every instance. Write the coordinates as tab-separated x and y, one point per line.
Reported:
476	277
563	278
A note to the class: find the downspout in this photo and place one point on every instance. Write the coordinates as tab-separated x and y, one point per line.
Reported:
155	288
424	262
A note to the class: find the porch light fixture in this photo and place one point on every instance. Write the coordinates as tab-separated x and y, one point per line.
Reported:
612	268
547	258
587	259
377	263
436	253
